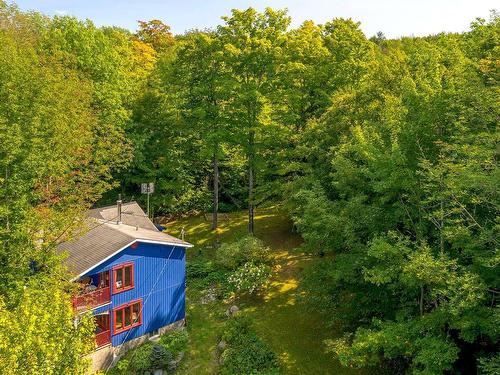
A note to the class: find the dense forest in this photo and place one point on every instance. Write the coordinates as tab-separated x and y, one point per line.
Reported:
384	153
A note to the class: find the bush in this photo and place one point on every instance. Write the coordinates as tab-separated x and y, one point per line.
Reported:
250	277
203	274
141	360
160	357
489	365
146	358
175	341
246	353
247	249
199	269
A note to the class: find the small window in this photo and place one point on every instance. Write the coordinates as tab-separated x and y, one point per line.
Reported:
135	311
123	277
128	316
118	320
104	279
128	275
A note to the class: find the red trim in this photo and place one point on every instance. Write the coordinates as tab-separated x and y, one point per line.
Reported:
134	245
122	267
121	309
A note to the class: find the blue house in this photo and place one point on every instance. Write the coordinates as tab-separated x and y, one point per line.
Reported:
133	278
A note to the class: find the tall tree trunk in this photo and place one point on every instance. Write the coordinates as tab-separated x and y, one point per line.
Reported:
251	137
215	207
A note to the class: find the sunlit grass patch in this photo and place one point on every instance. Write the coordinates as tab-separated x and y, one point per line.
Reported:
278	312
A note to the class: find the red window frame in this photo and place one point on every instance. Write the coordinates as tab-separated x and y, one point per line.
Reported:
122	267
121	309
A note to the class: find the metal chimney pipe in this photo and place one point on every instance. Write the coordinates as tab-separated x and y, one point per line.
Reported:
119	207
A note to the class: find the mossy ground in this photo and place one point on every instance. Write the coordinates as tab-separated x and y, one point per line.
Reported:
280	317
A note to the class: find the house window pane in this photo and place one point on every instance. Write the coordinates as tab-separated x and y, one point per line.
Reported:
128	316
104	277
119	319
119	278
128	276
135	312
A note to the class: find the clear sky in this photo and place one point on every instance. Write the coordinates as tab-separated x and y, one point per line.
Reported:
393	17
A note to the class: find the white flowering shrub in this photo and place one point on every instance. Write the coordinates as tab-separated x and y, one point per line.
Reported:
247	249
250	277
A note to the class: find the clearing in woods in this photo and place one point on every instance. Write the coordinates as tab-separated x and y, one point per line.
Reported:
280	318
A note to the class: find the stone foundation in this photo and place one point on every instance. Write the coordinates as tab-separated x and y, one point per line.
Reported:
108	355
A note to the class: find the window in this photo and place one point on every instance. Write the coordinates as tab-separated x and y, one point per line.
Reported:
104	279
123	277
128	316
102	323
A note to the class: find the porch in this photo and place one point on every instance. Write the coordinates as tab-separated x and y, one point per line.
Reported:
95	292
103	330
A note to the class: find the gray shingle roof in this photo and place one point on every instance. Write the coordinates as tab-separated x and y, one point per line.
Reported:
132	214
104	237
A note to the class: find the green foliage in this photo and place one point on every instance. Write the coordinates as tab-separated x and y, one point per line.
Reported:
141	360
489	365
385	150
151	356
66	89
236	254
203	275
402	187
200	269
146	358
156	34
160	357
175	341
250	277
37	340
245	352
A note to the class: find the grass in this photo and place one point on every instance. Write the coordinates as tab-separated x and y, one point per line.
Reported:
294	333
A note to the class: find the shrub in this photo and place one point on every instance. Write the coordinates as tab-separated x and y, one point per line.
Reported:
235	329
489	365
122	365
175	341
250	277
247	249
144	359
160	357
202	275
199	269
246	353
141	359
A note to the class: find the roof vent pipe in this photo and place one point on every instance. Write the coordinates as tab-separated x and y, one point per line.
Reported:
119	207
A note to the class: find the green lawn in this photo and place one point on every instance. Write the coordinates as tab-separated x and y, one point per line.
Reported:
281	320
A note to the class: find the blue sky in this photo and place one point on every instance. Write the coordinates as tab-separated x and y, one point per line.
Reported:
394	18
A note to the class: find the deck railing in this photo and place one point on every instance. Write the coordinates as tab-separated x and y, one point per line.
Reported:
91	299
103	338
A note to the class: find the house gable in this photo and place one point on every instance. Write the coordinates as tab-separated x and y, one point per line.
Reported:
159	283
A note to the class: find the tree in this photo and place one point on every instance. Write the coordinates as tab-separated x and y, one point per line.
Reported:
62	113
203	79
401	188
155	33
252	47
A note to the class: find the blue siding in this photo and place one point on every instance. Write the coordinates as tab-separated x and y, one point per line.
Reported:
163	296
